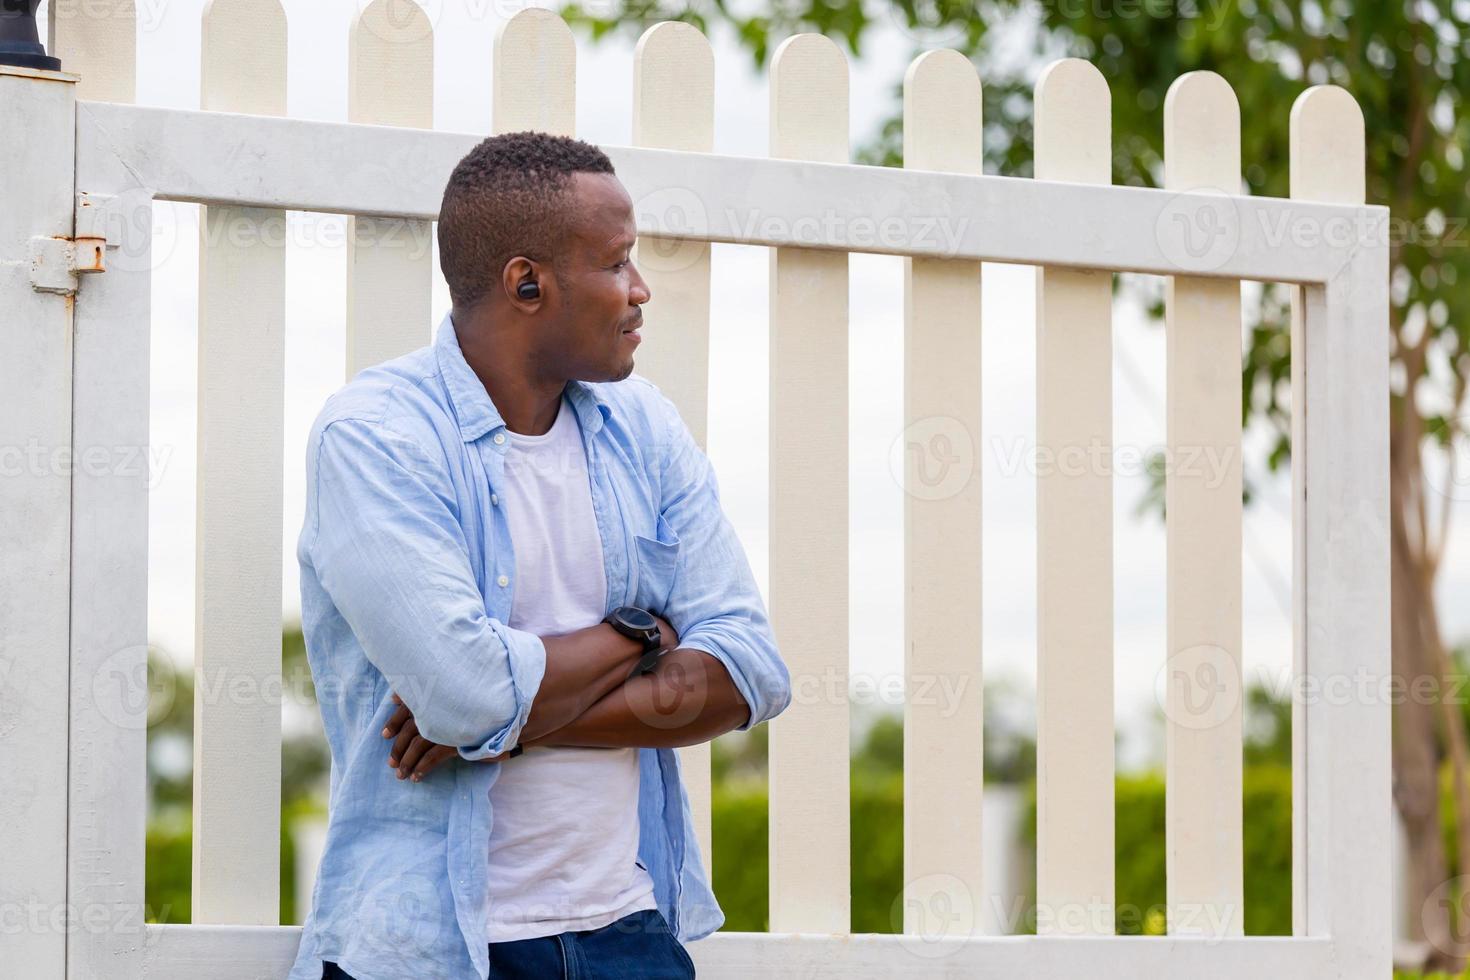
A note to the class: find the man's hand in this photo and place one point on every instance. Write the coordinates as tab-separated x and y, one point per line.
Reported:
415	756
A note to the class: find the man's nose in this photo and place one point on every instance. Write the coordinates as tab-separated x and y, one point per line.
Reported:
640	293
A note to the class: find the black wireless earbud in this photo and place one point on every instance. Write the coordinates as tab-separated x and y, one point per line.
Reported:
528	290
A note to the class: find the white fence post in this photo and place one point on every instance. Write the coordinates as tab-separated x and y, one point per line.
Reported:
110	692
37	188
1341	765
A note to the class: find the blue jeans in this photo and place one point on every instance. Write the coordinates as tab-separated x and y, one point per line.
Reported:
639	946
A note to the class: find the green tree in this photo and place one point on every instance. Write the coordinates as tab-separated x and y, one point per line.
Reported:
1406	64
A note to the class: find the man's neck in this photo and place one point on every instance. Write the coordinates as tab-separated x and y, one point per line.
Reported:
526	401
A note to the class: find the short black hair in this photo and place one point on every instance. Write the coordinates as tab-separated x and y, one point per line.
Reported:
509	196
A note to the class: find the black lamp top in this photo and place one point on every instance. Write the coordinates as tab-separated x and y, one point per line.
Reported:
20	45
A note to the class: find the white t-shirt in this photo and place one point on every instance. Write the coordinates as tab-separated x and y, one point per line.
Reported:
564	824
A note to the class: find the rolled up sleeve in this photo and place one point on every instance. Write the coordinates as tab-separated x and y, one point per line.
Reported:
389	550
715	604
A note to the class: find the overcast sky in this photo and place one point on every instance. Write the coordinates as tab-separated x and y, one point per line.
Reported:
168	60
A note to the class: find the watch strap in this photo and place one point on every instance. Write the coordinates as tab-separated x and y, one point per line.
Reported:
646	663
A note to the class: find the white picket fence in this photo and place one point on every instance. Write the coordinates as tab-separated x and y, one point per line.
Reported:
80	167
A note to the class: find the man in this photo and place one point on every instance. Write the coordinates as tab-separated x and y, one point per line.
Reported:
519	594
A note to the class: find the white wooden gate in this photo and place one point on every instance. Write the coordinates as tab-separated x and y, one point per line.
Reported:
80	168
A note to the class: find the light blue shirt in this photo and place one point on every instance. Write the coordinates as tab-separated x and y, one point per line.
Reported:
407	573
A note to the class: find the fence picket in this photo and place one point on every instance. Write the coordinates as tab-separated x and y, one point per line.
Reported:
237	630
674	108
1204	701
1074	531
101	50
389	260
809	822
535	75
943	747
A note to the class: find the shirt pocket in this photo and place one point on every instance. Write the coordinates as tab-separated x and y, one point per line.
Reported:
658	560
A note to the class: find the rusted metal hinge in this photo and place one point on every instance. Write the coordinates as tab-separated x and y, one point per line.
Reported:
56	262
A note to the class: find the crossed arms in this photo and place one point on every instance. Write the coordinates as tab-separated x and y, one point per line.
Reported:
688	697
385	542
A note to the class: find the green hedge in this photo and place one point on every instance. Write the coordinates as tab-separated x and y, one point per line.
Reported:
741	865
169	866
741	869
1139	838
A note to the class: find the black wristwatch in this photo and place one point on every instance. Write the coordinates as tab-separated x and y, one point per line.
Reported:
638	624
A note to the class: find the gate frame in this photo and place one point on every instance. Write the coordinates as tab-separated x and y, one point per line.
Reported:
127	157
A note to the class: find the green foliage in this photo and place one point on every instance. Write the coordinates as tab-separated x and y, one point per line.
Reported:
877	851
741	841
741	859
1267	816
739	756
1267	732
881	754
742	869
1140	862
168	865
741	828
741	855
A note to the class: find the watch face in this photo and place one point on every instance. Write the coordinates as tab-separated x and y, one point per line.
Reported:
637	618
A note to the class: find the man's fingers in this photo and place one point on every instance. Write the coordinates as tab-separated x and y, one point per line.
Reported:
406	735
431	760
395	723
412	755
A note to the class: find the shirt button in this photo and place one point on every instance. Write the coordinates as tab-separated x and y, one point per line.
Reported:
495	500
499	438
502	581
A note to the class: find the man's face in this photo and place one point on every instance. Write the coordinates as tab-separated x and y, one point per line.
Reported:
599	302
